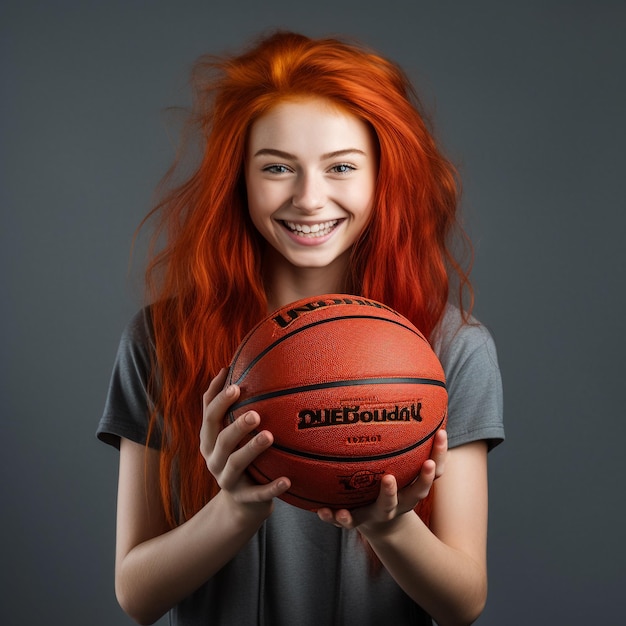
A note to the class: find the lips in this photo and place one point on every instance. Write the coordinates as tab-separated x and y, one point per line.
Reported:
311	230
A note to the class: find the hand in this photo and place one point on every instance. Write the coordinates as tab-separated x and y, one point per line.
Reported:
391	503
221	447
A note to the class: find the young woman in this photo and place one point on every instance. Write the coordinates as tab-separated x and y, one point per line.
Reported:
317	175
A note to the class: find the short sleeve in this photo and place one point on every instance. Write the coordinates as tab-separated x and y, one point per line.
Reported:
475	400
127	407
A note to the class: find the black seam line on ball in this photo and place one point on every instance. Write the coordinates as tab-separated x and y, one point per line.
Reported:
299	330
358	459
338	383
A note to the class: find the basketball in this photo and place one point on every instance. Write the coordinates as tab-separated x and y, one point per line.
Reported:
350	389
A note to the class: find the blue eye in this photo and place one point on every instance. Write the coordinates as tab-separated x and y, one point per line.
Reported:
276	169
342	168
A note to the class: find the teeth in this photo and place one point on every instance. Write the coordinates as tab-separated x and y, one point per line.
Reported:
312	230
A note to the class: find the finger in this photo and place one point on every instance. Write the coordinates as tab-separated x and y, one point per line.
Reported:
214	387
263	493
340	519
387	501
326	515
230	438
344	518
421	487
230	441
439	452
215	404
216	399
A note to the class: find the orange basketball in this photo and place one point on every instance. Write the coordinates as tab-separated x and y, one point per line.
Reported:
350	390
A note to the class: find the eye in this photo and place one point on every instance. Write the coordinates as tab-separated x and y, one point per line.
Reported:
342	168
276	169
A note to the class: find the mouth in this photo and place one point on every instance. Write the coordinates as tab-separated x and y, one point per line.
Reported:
311	231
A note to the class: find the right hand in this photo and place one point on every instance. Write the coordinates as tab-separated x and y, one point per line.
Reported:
225	459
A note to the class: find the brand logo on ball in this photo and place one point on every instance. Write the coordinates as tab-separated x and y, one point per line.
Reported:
363	479
316	418
285	319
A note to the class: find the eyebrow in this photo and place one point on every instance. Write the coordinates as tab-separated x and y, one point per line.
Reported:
286	155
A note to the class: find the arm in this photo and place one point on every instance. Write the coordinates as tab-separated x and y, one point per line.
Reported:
442	568
156	567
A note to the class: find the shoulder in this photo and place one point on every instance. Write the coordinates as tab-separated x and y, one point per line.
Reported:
468	355
127	407
136	350
138	331
456	339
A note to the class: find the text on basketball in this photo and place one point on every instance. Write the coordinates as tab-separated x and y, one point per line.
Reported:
316	418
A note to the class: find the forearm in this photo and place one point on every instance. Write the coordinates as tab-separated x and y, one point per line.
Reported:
447	583
158	573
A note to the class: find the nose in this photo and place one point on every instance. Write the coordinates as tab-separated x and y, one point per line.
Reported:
308	195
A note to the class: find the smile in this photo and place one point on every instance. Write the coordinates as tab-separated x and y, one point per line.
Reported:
320	229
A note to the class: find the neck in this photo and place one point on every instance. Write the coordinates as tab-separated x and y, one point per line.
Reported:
287	283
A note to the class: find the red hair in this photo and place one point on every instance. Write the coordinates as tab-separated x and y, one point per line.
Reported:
207	283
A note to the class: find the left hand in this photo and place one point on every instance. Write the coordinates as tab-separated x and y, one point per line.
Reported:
392	503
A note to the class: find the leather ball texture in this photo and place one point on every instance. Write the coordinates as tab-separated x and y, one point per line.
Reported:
350	390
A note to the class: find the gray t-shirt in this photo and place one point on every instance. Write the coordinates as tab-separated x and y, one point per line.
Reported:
297	569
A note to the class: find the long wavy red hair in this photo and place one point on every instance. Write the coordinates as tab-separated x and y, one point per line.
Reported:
206	281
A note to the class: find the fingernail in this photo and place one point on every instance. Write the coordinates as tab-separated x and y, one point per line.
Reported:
249	418
230	391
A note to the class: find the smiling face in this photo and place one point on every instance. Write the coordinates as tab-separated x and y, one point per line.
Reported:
310	177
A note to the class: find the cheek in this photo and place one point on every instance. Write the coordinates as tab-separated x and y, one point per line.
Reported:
363	202
261	211
257	215
263	199
257	201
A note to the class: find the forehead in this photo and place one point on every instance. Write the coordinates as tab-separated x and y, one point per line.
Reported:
315	122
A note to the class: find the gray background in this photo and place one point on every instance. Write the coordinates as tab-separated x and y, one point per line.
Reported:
528	100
